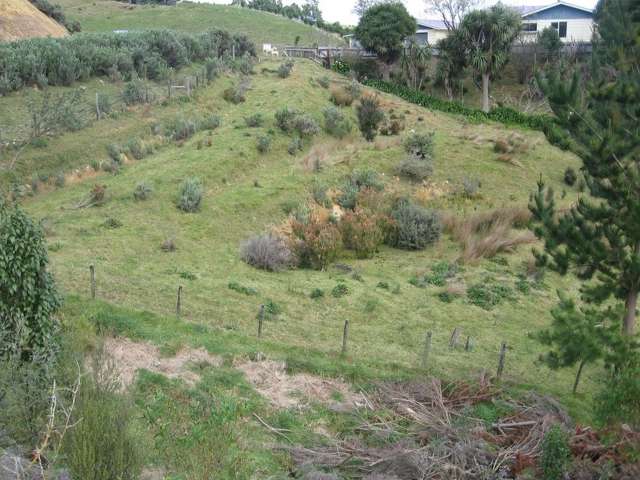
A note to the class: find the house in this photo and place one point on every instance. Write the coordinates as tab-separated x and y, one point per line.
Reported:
430	31
574	23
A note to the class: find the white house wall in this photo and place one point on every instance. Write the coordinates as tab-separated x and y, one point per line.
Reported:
578	30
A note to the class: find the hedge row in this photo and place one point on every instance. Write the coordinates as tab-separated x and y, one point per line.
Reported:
62	61
505	115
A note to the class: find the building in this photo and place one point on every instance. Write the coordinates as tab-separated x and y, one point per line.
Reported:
430	31
574	23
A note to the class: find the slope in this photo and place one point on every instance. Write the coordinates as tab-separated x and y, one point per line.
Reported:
261	27
20	19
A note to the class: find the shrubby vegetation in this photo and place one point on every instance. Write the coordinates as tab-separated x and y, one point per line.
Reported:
416	227
335	122
268	252
56	12
284	70
370	116
147	54
190	196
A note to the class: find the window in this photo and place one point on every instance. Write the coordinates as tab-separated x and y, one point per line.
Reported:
561	27
529	27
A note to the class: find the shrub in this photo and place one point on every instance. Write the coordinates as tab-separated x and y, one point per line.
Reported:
213	68
556	454
253	121
236	94
335	123
211	122
619	399
570	176
305	126
392	126
242	64
362	232
316	293
470	187
415	168
323	81
340	97
29	298
142	191
415	227
419	144
136	148
369	116
181	129
353	89
295	146
115	152
103	433
168	245
135	92
104	104
235	286
284	70
264	143
318	243
358	181
285	119
190	196
340	290
268	252
488	294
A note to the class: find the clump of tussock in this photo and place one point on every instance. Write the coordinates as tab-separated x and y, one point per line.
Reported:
190	196
268	252
486	234
340	97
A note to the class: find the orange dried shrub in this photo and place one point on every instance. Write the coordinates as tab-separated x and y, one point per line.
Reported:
364	231
316	244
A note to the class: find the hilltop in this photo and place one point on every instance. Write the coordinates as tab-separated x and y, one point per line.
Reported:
19	19
260	27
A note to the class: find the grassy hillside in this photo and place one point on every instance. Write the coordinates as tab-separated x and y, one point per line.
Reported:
245	194
261	27
20	19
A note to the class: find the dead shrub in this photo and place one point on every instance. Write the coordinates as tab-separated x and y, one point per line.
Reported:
268	252
317	244
341	97
486	234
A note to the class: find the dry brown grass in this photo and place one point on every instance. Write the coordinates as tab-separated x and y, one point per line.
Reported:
486	234
340	97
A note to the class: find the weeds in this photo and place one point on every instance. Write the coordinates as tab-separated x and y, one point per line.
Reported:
236	287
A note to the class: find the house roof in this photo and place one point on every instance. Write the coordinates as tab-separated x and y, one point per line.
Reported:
525	10
432	24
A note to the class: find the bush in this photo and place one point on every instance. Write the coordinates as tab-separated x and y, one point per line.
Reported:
284	70
556	454
316	293
305	126
362	232
369	116
101	445
285	119
470	187
135	92
488	294
353	89
335	123
358	181
341	97
419	144
323	81
340	290
253	121
213	68
211	122
268	252
318	243
619	399
136	148
415	227
264	143
181	129
235	286
295	145
570	176
29	298
415	168
142	191
190	195
115	152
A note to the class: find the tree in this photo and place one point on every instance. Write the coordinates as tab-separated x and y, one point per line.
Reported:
598	238
28	296
488	36
415	63
383	29
451	11
549	41
362	6
451	61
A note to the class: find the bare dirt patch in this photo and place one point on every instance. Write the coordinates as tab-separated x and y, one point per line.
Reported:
130	356
283	390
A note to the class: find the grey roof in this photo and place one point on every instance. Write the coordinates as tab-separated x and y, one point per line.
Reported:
524	9
435	24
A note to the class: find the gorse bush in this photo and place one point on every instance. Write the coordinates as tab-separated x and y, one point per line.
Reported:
190	196
142	191
419	144
335	123
284	70
358	181
147	53
51	113
369	116
415	227
415	168
268	252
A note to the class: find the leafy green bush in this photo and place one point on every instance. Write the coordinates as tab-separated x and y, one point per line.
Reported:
135	92
253	121
619	398
335	123
284	70
285	119
264	143
441	272
211	122
190	196
488	294
28	295
415	168
235	286
369	116
556	454
142	191
340	290
570	176
115	152
415	227
180	128
56	12
419	144
136	148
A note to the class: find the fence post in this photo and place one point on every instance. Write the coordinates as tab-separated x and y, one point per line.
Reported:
453	341
187	81
427	349
179	301
260	320
169	88
98	114
345	334
503	352
92	272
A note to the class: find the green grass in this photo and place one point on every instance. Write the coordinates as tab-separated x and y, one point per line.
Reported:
261	27
387	326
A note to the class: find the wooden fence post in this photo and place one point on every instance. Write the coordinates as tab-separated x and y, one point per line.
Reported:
427	349
260	320
187	81
345	335
92	272
179	301
98	113
453	341
503	352
169	88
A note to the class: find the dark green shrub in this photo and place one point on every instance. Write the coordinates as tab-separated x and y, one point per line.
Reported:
556	454
28	295
264	143
115	152
136	148
213	68
335	123
284	70
142	191
181	129
253	121
235	286
415	168
419	144
340	290
415	227
272	309
570	176
316	293
243	64
488	294
190	196
211	122
285	119
369	116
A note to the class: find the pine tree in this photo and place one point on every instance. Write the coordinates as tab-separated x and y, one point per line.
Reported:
598	239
